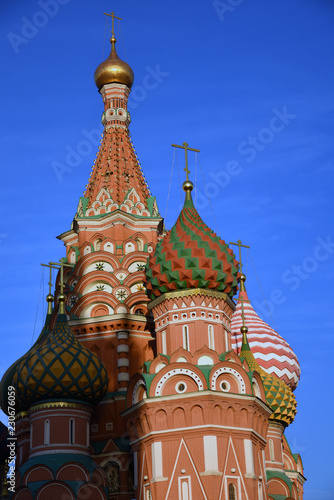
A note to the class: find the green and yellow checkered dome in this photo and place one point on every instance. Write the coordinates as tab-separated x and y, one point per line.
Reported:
58	368
278	394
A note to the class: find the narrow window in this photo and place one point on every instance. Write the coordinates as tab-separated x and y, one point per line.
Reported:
98	245
184	488
231	492
271	450
226	341
211	337
186	338
72	430
260	492
164	343
47	432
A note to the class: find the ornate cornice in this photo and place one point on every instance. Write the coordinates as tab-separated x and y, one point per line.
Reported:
188	293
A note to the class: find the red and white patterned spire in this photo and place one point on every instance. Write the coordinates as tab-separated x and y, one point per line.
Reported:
116	181
270	350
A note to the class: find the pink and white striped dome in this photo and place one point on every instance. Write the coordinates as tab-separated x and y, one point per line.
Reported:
270	350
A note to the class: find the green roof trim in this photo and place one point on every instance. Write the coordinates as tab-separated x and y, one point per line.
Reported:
98	446
84	202
150	205
148	377
295	455
271	474
206	370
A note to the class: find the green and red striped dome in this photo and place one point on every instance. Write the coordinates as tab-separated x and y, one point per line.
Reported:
191	255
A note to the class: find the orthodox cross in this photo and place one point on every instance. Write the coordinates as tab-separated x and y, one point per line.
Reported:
57	265
239	244
185	147
112	15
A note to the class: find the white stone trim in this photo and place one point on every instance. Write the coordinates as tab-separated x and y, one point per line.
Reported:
123	377
178	371
123	348
232	371
123	362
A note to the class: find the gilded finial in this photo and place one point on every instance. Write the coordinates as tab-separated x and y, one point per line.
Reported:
61	302
242	282
61	298
243	328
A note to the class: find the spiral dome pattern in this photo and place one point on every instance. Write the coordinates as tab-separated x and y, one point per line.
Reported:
191	255
270	350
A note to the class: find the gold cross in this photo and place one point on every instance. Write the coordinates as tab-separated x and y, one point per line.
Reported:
112	15
57	265
239	244
185	147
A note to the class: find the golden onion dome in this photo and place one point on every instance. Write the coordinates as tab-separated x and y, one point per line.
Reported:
59	367
113	70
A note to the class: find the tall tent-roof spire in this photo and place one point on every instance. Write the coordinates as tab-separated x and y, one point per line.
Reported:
116	181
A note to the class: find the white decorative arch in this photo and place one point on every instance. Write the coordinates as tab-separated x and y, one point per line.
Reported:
233	372
136	390
178	371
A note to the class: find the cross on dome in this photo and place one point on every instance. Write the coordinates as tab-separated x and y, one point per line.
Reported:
185	147
112	15
239	244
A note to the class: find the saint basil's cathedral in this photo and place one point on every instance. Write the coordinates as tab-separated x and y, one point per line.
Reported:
153	377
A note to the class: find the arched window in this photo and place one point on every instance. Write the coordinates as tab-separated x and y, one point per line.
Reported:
131	476
72	431
47	432
163	343
271	450
98	244
260	492
211	337
186	338
139	244
231	492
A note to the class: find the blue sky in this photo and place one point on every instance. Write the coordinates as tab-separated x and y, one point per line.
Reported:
251	85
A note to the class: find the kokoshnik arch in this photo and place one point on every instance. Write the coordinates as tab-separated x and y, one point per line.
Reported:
153	377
